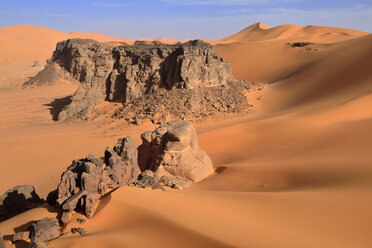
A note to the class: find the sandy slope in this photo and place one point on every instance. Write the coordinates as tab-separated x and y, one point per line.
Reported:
297	173
21	44
259	53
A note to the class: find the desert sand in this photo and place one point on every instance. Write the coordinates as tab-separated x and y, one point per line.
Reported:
295	173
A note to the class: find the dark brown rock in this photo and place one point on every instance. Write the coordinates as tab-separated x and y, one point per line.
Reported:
44	230
38	244
17	200
83	183
66	217
81	221
78	230
193	104
90	203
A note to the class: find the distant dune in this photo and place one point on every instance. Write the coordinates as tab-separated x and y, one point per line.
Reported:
260	53
335	68
22	44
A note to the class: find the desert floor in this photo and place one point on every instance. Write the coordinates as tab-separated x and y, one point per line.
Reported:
295	173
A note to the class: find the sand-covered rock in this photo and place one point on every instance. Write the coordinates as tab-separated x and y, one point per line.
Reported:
17	200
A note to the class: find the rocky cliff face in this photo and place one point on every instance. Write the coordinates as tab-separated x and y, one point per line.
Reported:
127	72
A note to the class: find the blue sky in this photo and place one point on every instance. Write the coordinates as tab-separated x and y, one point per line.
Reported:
204	19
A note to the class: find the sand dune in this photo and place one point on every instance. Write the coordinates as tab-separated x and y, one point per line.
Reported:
261	32
297	173
259	53
23	44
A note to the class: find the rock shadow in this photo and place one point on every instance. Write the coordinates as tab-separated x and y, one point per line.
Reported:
57	105
15	203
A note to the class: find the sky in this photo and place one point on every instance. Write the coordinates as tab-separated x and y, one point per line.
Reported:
194	19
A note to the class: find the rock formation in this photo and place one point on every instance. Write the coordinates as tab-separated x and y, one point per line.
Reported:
168	156
130	72
87	179
42	231
172	150
17	200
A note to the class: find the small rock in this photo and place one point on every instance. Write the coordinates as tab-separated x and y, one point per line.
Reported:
44	230
66	217
79	230
21	236
154	120
81	221
176	186
148	182
137	121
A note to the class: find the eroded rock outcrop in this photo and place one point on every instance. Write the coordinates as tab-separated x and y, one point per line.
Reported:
129	72
17	200
172	151
83	183
168	157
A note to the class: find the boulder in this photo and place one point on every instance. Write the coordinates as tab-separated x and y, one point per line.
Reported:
17	200
83	183
172	151
44	230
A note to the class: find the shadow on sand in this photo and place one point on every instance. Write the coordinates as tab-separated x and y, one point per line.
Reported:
57	105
